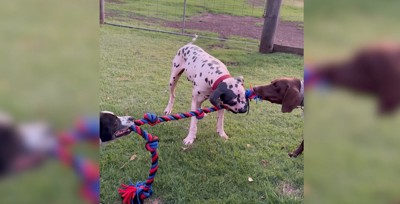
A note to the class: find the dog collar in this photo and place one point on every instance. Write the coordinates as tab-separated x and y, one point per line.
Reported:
219	80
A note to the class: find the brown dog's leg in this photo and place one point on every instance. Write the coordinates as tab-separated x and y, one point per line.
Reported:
298	151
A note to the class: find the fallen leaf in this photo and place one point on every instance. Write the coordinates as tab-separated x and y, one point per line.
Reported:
264	163
133	157
250	179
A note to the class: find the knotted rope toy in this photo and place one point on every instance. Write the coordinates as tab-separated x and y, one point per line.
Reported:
86	130
136	193
251	95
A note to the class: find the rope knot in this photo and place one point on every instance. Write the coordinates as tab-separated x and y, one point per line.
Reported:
135	193
152	146
152	118
200	114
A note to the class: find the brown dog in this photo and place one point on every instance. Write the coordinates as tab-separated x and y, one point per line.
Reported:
289	92
374	70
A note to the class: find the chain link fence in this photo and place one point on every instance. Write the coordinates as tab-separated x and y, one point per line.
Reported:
234	20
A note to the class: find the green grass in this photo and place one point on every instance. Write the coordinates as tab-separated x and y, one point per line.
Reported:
172	10
134	74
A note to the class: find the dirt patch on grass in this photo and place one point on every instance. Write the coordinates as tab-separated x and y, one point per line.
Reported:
288	33
289	190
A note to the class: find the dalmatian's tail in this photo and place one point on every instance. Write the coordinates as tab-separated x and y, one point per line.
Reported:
195	38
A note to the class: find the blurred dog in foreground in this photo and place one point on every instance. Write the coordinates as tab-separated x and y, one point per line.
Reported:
374	70
23	145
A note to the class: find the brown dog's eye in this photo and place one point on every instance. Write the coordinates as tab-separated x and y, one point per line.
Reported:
275	85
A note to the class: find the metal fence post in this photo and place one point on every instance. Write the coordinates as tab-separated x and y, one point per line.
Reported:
271	18
184	16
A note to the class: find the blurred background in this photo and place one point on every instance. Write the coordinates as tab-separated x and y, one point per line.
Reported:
352	146
48	74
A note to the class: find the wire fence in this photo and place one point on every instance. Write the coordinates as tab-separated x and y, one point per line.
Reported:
234	20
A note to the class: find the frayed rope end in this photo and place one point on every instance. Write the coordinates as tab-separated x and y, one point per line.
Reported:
135	193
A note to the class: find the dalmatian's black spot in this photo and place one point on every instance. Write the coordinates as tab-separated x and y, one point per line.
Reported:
173	78
206	79
212	73
204	61
209	64
195	53
195	75
185	59
202	65
236	85
212	81
186	48
198	92
201	74
193	57
188	63
194	83
179	53
170	84
238	98
230	86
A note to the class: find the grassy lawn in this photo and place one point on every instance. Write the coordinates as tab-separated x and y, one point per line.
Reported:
134	73
172	10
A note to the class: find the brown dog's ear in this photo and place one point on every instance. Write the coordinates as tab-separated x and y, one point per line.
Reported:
292	98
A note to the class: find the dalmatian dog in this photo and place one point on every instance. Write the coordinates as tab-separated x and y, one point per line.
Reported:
211	80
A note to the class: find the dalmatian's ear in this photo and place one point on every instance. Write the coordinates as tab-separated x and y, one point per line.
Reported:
240	78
